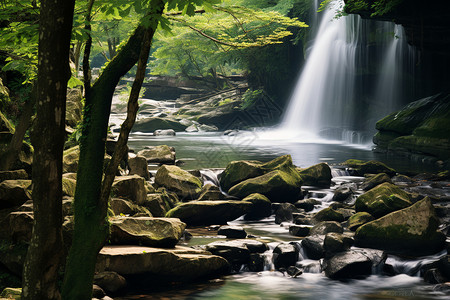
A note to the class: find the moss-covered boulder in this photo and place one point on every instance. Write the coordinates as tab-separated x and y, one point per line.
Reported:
175	179
138	166
382	199
261	207
161	154
278	186
328	214
147	231
154	123
68	186
358	219
130	187
70	159
211	192
362	167
121	206
209	212
411	231
14	193
11	293
373	181
238	171
317	175
158	204
420	127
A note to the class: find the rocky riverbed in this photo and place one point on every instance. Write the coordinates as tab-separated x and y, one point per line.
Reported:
175	226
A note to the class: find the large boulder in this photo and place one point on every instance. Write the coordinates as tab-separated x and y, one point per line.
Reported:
317	175
412	230
211	192
285	255
147	231
353	264
209	212
161	154
238	171
368	167
328	214
175	179
261	207
237	252
420	127
154	123
358	219
178	264
371	182
382	199
130	187
14	193
121	206
278	186
111	282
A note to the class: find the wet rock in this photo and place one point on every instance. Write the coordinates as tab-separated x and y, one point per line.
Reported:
277	185
175	179
402	180
236	254
261	207
313	246
164	132
131	187
299	230
232	232
111	282
412	231
209	212
325	227
336	242
383	199
121	206
349	264
256	263
161	154
155	232
177	264
344	192
211	192
285	255
371	182
138	166
302	220
154	123
317	175
434	276
207	128
370	167
307	204
13	175
328	214
358	219
284	213
238	171
14	193
294	272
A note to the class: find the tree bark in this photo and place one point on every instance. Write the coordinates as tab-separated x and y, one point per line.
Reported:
91	226
43	259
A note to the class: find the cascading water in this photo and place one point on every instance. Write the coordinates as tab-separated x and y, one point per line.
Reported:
332	95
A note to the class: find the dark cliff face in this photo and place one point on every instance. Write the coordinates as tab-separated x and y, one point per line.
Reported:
427	23
427	27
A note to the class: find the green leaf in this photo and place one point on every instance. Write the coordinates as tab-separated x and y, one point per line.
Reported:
74	82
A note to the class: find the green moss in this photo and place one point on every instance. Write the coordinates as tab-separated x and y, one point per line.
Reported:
358	219
317	175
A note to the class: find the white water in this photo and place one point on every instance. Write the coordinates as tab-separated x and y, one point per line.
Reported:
329	95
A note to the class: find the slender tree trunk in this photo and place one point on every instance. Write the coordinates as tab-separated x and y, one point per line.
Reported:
40	276
91	226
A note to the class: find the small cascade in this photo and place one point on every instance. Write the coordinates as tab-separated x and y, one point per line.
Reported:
411	267
337	96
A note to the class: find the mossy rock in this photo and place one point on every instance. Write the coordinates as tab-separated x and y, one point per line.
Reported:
278	186
154	123
11	293
14	193
373	181
358	219
175	179
369	167
261	207
328	214
74	107
382	199
70	159
130	187
5	124
422	145
211	192
121	206
68	186
209	212
317	175
161	154
238	171
410	231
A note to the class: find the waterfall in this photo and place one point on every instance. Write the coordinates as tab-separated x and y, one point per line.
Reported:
334	98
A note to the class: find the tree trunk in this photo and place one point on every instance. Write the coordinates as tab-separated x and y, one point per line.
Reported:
40	275
91	226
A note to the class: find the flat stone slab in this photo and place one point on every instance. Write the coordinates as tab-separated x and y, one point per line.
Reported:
179	263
